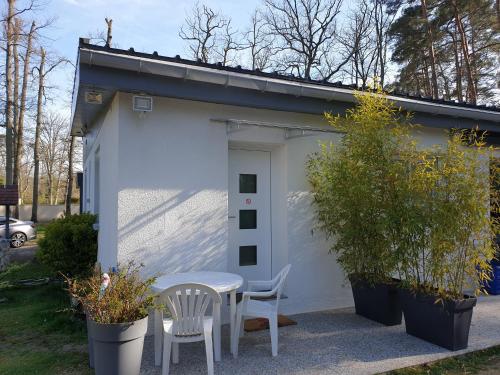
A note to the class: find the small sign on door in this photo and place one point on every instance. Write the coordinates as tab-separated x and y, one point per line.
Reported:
248	201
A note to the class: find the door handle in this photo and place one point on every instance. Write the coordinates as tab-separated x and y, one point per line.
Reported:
231	217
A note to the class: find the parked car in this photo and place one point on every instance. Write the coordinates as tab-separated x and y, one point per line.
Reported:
20	231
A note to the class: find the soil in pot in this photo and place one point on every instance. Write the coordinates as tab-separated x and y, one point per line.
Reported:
379	302
444	323
118	347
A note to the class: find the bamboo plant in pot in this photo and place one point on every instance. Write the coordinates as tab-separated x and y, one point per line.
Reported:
355	195
117	316
447	239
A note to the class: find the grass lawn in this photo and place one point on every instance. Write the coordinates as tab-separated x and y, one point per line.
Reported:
484	362
38	335
40	231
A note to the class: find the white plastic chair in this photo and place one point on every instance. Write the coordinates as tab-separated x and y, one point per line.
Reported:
187	304
249	307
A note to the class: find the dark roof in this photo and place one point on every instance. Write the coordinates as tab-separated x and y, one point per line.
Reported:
286	77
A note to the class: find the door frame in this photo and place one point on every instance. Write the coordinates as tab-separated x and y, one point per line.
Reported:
278	199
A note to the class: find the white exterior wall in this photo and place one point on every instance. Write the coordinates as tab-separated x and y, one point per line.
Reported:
172	200
171	182
103	138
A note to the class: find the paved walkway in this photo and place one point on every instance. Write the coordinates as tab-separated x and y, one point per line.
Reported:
331	342
23	254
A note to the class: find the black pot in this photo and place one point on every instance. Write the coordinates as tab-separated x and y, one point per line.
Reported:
444	323
379	302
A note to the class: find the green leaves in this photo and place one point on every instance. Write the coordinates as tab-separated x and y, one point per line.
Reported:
353	184
392	207
70	245
126	299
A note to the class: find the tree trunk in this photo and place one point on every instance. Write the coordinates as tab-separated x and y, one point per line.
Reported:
465	51
427	80
9	120
22	106
109	37
473	58
458	66
381	40
16	32
497	7
15	107
36	156
50	192
69	191
432	54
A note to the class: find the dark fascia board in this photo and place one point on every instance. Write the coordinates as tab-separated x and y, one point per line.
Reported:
84	44
178	84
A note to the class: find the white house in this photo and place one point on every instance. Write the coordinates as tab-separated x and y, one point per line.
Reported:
193	166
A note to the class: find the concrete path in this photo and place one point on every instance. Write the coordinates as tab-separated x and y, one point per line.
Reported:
23	254
331	342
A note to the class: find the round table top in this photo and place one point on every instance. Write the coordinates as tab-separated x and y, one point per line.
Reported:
222	282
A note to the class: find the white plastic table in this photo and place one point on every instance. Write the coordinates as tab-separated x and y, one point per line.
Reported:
222	282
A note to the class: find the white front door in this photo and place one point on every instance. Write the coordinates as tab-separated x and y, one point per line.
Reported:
250	214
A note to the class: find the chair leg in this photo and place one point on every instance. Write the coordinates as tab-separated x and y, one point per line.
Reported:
175	352
237	334
216	329
158	332
210	352
273	327
167	346
242	327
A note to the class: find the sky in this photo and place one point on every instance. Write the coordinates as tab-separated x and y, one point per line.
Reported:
146	25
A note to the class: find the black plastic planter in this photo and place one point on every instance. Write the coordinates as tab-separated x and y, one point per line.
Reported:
445	323
379	302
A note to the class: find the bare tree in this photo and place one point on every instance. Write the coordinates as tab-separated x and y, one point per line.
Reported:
22	106
382	20
11	36
259	43
36	149
53	144
9	92
102	37
365	40
305	31
201	31
360	43
229	45
109	34
43	71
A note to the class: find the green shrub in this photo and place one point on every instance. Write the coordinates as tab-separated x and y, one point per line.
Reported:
354	186
393	207
127	297
446	233
70	245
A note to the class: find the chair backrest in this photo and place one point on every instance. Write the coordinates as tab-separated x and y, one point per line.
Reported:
279	282
188	304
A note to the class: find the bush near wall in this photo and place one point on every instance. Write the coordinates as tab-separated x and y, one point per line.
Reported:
70	245
397	208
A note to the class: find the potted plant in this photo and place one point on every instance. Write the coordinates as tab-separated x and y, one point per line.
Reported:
117	306
450	239
356	198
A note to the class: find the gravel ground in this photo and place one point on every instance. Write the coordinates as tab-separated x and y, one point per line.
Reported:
331	342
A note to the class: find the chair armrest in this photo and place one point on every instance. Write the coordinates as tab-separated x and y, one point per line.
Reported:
259	285
248	295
